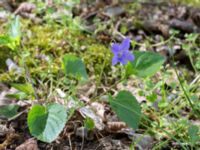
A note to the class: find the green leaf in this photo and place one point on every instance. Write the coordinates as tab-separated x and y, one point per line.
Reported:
12	40
193	134
6	40
89	123
15	32
152	97
26	88
8	111
127	108
146	64
18	95
74	67
46	123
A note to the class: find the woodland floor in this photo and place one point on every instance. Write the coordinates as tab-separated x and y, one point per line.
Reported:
51	29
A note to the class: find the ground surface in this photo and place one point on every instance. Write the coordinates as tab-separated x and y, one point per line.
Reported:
51	29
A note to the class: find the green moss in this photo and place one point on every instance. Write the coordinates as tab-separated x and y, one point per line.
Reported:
94	57
195	3
11	77
4	54
53	41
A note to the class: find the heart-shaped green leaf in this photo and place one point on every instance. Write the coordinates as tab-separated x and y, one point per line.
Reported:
127	108
45	123
146	64
74	67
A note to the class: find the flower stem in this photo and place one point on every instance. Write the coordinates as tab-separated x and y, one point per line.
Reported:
99	78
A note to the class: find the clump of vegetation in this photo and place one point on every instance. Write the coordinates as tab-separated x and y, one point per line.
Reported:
72	81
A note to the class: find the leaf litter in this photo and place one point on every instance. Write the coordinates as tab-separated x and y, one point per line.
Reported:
151	30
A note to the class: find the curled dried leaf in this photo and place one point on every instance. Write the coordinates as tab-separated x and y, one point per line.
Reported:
25	7
116	126
88	112
30	143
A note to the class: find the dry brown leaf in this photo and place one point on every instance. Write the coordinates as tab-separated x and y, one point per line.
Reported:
99	109
10	137
88	112
25	8
30	144
5	100
5	130
132	86
115	126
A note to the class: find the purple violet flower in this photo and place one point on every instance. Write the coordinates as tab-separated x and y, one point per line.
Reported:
121	52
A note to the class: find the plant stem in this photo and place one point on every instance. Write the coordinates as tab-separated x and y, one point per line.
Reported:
185	93
191	60
28	76
101	73
27	73
100	77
